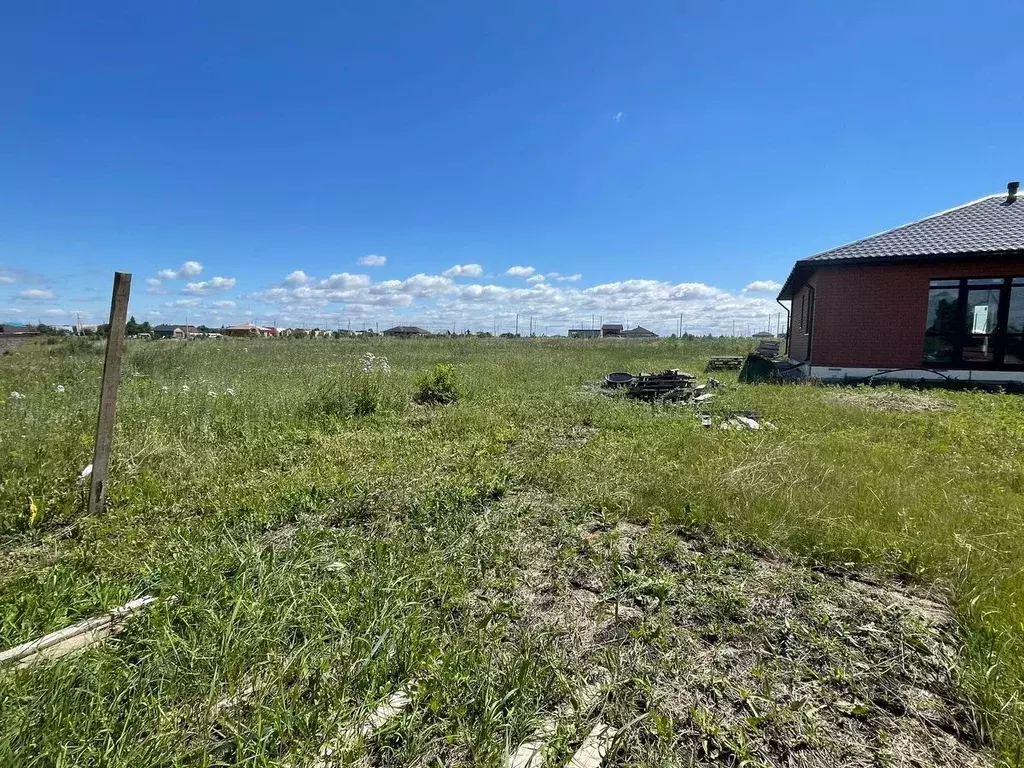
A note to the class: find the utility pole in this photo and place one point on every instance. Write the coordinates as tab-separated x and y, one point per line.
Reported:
517	324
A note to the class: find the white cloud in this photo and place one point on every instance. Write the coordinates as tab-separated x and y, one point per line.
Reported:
152	282
223	304
183	303
188	269
298	277
213	284
762	286
5	279
373	260
535	279
565	278
618	116
464	270
36	294
520	271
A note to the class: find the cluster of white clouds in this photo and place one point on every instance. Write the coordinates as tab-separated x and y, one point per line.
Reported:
447	297
464	270
762	286
188	269
461	294
213	284
36	294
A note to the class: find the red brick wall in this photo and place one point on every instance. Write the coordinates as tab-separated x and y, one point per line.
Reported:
873	316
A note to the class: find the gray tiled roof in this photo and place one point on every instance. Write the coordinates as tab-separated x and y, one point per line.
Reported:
984	226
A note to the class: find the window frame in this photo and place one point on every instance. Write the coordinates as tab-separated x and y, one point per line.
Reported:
999	335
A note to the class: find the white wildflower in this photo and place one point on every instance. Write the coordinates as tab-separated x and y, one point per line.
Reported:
59	387
165	389
211	393
17	396
184	388
229	392
85	474
371	362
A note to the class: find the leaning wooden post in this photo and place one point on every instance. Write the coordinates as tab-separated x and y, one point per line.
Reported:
108	392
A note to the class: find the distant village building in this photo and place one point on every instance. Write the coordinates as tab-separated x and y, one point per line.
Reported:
246	329
584	333
611	330
167	331
406	332
638	333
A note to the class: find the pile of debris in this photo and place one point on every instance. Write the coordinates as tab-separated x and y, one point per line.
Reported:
668	386
725	363
745	420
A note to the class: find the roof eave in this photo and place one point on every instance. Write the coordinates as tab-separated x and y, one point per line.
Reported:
803	268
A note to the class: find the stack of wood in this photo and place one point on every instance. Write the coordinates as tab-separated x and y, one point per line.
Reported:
672	385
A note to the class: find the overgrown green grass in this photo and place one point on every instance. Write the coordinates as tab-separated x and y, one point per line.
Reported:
243	468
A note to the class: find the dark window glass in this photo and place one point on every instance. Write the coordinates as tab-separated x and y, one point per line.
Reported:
979	349
1014	351
1015	321
942	311
963	323
938	349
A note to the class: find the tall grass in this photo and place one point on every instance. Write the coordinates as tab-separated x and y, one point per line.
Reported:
224	449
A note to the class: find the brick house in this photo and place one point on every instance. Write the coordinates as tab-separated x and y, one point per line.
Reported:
939	298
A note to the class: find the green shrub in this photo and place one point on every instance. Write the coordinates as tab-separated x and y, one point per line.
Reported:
438	386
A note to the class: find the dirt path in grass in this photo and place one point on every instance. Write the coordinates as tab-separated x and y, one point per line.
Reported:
721	657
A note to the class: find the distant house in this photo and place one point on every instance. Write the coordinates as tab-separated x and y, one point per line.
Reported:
166	331
584	333
406	332
763	335
611	330
638	333
246	329
18	329
940	298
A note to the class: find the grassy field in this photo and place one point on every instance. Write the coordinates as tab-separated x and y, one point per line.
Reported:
329	541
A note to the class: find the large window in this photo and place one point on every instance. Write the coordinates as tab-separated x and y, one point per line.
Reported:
975	322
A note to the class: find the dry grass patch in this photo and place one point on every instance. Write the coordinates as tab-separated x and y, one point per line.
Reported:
891	400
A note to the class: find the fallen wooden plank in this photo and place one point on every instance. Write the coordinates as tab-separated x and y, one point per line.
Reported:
74	638
594	748
530	754
393	706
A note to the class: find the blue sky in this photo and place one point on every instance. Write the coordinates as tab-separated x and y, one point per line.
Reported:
634	160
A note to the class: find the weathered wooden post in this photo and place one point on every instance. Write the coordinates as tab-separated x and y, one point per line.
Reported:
108	391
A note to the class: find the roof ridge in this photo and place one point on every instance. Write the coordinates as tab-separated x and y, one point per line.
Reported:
904	226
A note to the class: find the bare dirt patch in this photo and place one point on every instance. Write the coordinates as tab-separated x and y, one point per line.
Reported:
720	657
